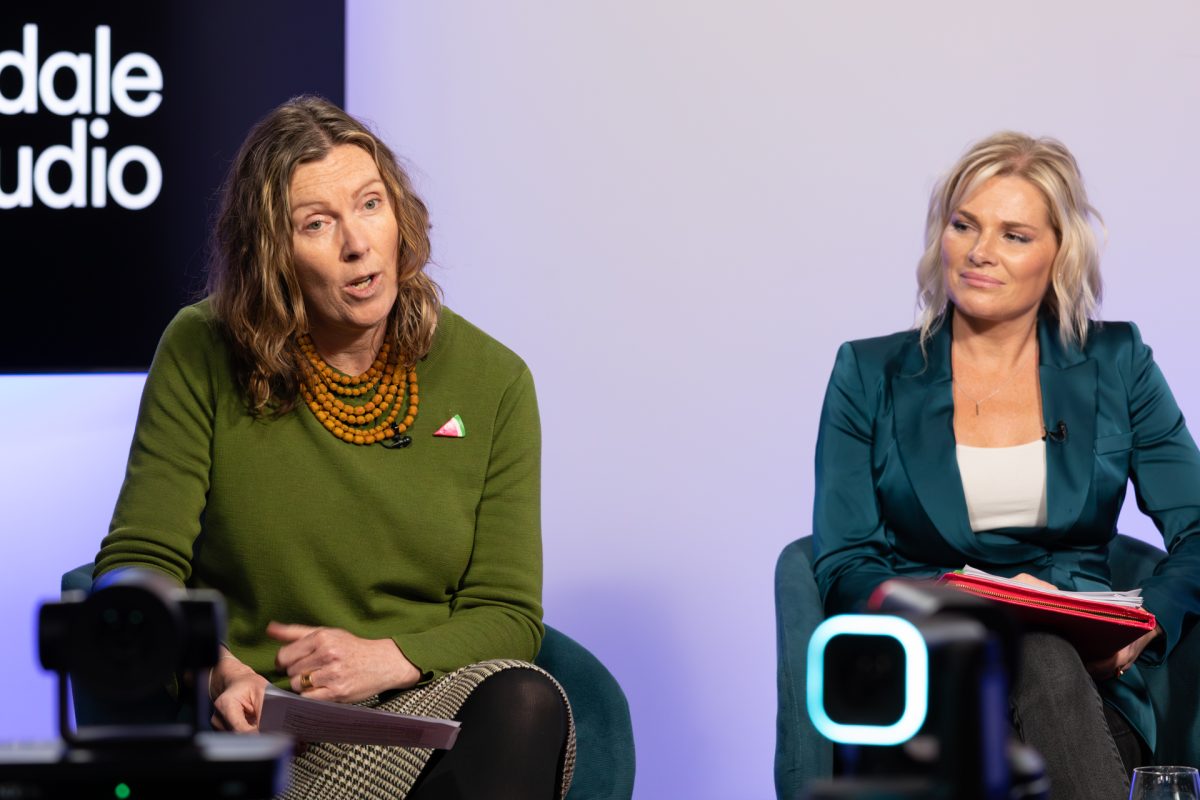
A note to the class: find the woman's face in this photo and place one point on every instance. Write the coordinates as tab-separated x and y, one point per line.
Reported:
345	240
998	251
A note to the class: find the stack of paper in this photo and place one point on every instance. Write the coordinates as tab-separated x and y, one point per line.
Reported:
1131	598
323	721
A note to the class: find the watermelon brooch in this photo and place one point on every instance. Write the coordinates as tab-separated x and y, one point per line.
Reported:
454	428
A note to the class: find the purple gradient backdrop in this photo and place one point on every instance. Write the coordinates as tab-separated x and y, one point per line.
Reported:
675	212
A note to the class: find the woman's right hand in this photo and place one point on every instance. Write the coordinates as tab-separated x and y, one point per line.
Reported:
1029	580
237	693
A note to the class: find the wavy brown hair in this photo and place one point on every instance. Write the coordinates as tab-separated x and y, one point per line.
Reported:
1074	292
252	283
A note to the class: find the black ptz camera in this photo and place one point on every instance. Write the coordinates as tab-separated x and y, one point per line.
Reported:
126	646
130	614
915	695
130	637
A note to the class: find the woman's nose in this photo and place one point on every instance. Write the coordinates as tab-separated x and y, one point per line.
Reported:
354	240
981	252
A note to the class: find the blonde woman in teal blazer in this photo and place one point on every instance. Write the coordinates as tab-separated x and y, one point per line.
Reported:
1006	354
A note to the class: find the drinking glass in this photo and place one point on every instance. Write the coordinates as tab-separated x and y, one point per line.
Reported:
1165	783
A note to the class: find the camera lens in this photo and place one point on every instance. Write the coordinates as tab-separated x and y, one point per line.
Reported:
128	642
864	679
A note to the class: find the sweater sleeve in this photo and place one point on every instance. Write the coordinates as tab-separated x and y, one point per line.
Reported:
1165	470
850	545
496	611
158	511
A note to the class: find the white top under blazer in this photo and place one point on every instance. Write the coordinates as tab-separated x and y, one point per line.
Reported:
1005	487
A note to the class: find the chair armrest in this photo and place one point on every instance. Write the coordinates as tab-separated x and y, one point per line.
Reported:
78	579
605	765
1175	693
801	754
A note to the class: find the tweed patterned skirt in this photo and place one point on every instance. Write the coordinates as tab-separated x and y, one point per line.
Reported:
331	771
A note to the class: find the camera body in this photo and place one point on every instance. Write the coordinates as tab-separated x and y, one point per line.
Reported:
131	634
124	645
916	697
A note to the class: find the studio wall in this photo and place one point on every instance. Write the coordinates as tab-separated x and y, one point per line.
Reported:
675	212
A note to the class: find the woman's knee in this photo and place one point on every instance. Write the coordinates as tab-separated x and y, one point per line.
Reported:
521	699
1050	666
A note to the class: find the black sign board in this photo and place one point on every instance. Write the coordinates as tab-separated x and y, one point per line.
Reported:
117	123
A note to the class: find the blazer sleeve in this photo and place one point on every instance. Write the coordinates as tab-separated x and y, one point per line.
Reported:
850	544
1165	470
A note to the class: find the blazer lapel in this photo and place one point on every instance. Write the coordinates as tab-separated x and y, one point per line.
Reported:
924	407
1069	413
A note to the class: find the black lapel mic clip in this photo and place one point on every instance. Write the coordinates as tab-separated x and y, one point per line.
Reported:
1059	434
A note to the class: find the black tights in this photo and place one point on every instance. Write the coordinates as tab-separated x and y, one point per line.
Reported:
514	731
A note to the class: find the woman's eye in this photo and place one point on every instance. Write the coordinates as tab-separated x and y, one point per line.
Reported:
315	225
372	204
1017	237
958	225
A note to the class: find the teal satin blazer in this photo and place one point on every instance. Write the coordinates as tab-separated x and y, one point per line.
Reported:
889	499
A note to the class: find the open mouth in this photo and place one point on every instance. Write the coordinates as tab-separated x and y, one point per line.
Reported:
362	283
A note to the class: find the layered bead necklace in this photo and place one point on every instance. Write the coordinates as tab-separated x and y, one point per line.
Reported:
333	397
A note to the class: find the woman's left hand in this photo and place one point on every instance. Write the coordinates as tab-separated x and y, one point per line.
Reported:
333	664
1115	665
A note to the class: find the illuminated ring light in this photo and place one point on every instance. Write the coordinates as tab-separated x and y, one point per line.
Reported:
916	678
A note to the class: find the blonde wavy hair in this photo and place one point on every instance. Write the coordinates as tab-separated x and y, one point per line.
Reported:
252	282
1073	296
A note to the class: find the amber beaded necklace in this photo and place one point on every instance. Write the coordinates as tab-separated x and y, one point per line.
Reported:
326	392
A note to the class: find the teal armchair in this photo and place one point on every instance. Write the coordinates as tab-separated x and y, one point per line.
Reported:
604	765
803	755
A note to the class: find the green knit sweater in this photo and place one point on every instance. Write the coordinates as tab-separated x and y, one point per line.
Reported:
437	545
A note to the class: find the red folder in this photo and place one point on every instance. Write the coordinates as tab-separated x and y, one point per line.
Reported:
1097	629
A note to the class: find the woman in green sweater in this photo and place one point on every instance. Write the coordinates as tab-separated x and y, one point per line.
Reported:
356	469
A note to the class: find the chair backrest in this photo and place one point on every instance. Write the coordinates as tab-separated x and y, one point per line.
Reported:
803	755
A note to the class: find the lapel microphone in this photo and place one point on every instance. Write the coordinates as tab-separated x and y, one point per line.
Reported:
1059	434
